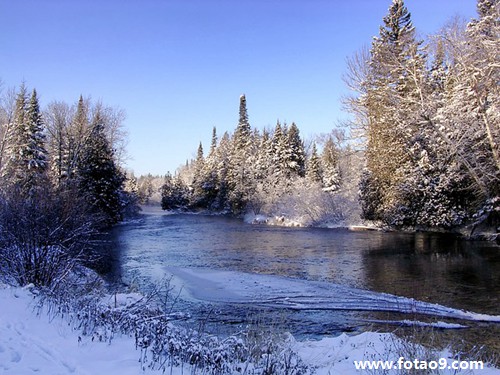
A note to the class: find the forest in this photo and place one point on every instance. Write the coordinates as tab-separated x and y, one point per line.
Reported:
421	149
61	183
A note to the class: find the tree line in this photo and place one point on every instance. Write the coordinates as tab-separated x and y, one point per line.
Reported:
61	182
429	113
269	172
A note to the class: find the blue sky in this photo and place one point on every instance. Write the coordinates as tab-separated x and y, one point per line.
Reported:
178	67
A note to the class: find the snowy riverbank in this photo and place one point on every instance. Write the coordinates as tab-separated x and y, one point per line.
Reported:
31	343
480	231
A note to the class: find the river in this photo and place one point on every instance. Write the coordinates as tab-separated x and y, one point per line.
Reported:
430	267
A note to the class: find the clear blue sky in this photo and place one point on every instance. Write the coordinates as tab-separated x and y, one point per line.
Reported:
178	67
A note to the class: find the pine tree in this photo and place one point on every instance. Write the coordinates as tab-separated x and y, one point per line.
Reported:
264	158
295	153
100	179
209	173
330	167
14	165
27	159
213	143
198	196
313	172
223	166
392	101
243	130
240	170
278	149
130	196
174	193
36	153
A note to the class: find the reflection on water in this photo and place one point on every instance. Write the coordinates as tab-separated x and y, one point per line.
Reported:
430	267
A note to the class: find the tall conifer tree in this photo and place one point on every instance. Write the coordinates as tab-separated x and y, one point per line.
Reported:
395	68
27	158
100	179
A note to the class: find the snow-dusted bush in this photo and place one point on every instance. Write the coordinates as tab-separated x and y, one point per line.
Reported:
307	203
43	236
164	344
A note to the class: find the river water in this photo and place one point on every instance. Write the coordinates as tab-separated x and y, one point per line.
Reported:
437	268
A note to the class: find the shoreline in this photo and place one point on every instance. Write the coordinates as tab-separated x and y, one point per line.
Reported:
466	232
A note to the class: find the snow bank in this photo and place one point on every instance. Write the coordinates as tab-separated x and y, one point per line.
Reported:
36	344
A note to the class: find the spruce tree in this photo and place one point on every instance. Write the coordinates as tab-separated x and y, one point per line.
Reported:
13	170
213	143
240	171
27	157
295	153
330	167
391	103
100	179
313	172
174	193
243	130
198	196
278	149
223	178
35	153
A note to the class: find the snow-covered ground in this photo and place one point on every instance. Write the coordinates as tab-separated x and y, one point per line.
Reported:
37	344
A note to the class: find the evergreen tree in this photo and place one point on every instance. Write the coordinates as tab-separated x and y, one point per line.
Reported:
313	172
174	193
209	173
330	167
145	188
295	153
100	179
35	152
14	165
130	196
278	149
223	165
213	143
198	195
240	171
243	130
264	157
391	102
27	158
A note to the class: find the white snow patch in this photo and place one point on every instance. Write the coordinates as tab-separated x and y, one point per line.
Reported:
417	323
251	218
36	344
282	292
31	344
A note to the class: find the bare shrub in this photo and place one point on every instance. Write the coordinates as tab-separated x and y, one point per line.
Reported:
163	343
42	235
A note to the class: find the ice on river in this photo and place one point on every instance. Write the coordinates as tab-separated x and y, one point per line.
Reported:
297	294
